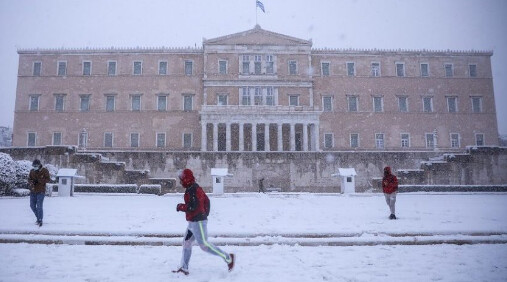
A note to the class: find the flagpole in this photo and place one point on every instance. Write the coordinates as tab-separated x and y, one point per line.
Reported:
255	12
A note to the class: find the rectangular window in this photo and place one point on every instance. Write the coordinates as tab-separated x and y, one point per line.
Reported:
328	140
293	100
222	66
379	140
405	140
84	103
222	100
37	67
83	139
34	103
270	97
160	140
378	104
472	70
110	103
354	140
455	140
427	104
449	72
136	103
162	103
351	69
352	103
293	68
134	140
258	96
375	69
62	68
452	105
87	68
59	102
425	70
111	68
162	67
400	69
258	64
188	68
476	104
57	138
246	65
270	69
327	104
325	69
187	140
187	103
430	140
108	139
32	139
479	139
245	96
137	68
403	104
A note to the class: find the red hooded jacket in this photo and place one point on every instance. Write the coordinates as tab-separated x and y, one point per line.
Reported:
389	182
197	204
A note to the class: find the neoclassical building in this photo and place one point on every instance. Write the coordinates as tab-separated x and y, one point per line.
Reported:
255	90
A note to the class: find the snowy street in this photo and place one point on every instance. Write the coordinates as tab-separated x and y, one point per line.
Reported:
277	237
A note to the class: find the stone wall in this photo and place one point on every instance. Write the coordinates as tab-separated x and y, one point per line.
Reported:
290	171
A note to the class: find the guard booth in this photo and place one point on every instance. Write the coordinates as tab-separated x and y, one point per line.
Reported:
347	177
218	175
66	179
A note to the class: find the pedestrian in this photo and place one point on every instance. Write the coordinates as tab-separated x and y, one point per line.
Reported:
37	179
261	186
390	188
196	208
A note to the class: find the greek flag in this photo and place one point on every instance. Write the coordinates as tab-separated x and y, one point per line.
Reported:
260	5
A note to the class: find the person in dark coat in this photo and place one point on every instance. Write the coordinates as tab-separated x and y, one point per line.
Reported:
37	179
196	209
390	189
261	186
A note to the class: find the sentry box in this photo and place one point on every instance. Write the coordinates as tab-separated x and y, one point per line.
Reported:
218	175
348	183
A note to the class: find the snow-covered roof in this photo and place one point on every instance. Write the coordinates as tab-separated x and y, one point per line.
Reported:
67	172
347	171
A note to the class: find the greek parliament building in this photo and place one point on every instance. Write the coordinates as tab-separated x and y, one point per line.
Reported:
255	90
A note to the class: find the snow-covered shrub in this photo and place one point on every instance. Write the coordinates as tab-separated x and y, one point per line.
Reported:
105	188
20	192
53	171
23	168
7	173
150	189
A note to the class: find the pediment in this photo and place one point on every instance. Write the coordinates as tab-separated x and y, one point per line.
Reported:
257	36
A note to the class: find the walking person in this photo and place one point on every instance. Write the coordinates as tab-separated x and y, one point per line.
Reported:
196	208
390	188
37	179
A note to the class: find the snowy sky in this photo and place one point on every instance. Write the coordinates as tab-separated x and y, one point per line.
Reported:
382	24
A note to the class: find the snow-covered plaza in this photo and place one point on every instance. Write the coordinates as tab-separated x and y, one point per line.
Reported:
276	237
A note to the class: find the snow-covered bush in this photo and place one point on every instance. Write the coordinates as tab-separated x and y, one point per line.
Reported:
23	168
20	192
150	189
53	171
7	173
105	188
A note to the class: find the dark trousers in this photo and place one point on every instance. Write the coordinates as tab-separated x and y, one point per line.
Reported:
36	202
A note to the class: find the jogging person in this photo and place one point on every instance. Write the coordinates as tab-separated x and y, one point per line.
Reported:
390	189
196	208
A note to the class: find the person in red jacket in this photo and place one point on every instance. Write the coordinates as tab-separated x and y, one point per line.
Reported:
390	188
196	208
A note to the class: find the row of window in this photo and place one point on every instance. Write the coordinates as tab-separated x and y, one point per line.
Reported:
137	68
431	140
375	69
260	96
108	141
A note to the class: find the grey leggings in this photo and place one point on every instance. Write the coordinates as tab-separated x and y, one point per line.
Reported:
198	231
391	201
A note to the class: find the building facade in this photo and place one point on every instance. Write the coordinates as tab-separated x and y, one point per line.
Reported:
254	91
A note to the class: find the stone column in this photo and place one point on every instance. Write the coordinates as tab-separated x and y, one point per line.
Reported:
204	146
241	137
254	137
316	134
228	137
279	133
215	136
305	137
292	137
266	137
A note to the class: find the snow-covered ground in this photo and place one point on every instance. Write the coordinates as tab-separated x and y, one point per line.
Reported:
277	237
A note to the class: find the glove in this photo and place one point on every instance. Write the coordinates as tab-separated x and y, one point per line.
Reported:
179	207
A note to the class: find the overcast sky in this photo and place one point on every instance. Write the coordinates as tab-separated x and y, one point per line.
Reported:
381	24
